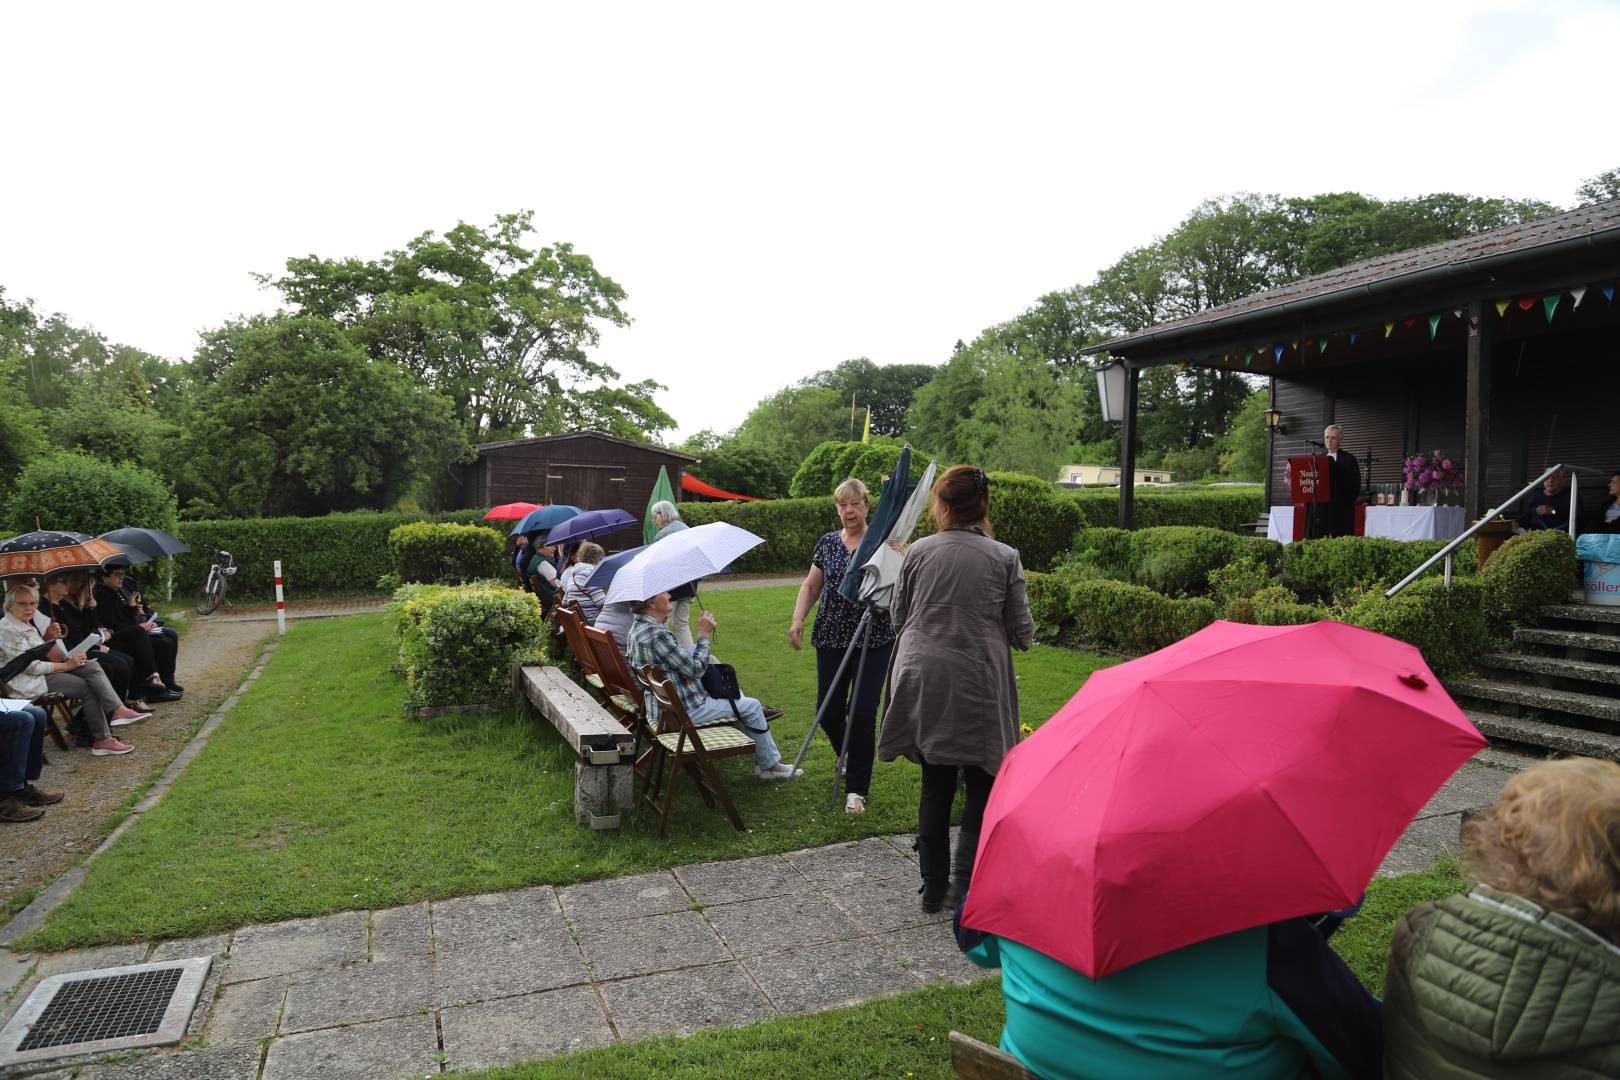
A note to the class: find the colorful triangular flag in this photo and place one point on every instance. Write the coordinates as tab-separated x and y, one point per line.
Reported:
1434	324
1321	345
1408	323
1526	303
1352	337
1579	295
1389	328
1549	304
1608	292
1457	311
1501	307
1248	358
1276	354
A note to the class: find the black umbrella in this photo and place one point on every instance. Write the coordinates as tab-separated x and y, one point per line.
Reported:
15	665
144	544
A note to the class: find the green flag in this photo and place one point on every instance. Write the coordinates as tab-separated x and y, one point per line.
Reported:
1550	304
661	492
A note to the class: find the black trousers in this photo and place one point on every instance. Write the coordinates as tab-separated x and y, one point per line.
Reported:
939	784
119	669
153	654
858	773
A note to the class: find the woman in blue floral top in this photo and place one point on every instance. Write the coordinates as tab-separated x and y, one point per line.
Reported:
835	629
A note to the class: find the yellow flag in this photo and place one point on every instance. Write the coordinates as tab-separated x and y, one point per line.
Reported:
1389	328
866	436
1501	307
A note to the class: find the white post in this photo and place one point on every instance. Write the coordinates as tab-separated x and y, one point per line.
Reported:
1573	481
1448	569
281	604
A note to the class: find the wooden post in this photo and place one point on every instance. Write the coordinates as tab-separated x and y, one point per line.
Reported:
1477	425
1127	451
1271	444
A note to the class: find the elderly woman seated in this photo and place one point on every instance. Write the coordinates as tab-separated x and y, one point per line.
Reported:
651	643
576	578
1519	976
76	678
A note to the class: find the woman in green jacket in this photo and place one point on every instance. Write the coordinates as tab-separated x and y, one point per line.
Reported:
1520	976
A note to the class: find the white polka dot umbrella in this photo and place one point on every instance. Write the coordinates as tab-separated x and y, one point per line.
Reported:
47	552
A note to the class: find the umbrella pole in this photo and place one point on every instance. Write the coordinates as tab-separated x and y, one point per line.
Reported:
858	639
862	633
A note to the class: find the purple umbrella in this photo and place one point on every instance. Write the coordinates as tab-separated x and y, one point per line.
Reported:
590	523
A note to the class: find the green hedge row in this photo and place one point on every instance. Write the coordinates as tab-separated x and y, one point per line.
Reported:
1218	508
1332	569
332	554
457	644
446	553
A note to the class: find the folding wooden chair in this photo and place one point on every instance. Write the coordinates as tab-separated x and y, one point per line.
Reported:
684	747
573	627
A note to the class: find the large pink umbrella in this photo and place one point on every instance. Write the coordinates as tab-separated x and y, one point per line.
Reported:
1244	775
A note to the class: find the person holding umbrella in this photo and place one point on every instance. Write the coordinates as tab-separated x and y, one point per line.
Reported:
960	608
667	517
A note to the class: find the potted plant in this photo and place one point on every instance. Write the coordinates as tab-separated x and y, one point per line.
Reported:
1429	479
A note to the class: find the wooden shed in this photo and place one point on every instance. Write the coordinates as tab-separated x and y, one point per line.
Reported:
588	469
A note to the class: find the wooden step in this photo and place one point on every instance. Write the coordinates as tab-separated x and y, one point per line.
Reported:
1526	732
1567	639
1592	613
1538	697
1554	666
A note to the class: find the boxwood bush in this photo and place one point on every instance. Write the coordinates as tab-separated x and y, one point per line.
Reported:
1446	623
1337	567
457	644
1178	559
1218	508
445	552
1118	615
1527	571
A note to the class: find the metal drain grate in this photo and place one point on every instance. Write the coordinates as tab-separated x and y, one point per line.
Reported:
108	1007
90	1012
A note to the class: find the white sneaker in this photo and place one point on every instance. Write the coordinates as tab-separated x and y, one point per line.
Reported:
126	721
780	771
854	804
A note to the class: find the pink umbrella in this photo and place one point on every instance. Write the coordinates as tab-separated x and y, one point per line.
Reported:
1244	775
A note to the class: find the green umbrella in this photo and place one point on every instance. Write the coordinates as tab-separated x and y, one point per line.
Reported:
661	492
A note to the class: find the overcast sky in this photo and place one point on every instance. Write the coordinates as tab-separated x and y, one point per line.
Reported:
778	187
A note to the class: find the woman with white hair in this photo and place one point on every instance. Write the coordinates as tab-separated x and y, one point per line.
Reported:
75	677
667	519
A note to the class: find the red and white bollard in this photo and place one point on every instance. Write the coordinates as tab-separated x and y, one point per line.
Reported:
281	604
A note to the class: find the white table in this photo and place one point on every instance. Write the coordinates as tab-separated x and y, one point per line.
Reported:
1391	522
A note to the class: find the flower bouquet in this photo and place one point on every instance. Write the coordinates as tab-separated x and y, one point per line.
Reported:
1432	475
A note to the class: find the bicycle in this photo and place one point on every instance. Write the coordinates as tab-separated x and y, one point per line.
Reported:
212	592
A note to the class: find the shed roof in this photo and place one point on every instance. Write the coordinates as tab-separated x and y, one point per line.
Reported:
1493	251
604	436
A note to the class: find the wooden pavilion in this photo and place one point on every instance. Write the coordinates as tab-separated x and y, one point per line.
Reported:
1503	348
589	469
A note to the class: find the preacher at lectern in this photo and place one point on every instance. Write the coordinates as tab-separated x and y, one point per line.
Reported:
1344	487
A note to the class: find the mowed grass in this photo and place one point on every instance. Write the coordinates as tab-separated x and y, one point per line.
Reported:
317	794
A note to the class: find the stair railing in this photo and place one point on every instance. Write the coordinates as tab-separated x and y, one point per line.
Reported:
1445	552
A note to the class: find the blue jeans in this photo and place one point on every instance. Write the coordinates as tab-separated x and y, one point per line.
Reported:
22	747
753	725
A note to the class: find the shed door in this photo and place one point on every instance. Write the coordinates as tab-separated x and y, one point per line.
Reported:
589	487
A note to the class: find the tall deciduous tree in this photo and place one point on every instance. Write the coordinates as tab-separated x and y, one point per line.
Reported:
1600	188
885	389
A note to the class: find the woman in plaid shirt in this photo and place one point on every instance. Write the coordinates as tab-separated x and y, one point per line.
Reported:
651	642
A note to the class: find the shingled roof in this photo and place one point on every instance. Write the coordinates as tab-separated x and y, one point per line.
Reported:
1595	224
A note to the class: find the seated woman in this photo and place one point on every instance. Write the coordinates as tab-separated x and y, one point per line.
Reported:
68	602
541	572
1519	976
129	632
22	759
75	678
575	581
1271	1002
1607	518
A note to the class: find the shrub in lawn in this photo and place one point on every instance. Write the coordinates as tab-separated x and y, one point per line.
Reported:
814	477
1119	615
1446	623
1235	583
1335	567
1177	559
1527	571
1106	548
458	644
70	491
1027	513
1050	605
445	552
1274	605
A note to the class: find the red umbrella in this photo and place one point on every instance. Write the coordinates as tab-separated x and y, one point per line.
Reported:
1244	775
512	511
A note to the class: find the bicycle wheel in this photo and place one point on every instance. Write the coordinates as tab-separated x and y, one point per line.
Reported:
211	593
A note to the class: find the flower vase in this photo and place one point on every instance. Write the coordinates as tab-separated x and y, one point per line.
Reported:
1406	496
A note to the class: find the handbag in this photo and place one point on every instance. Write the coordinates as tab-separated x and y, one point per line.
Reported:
720	681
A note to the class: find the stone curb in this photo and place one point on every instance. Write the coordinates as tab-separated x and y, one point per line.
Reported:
32	916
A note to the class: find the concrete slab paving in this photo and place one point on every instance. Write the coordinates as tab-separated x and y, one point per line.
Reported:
402	933
766	925
643	946
741	879
930	953
258	952
359	993
845	864
1425	841
89	959
215	945
888	904
385	1050
823	976
250	1010
681	1002
520	915
599	903
496	1033
505	969
1469	787
232	1061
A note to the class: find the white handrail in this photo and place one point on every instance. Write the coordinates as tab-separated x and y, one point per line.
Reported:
1445	552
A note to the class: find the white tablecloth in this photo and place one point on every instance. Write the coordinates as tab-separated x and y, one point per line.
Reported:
1393	522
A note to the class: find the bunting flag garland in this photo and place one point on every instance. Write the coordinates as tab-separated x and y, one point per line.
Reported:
1434	324
1276	354
1352	337
1457	311
1407	323
1526	303
1248	358
1579	295
1608	292
1550	304
1389	328
1321	346
1501	307
1294	345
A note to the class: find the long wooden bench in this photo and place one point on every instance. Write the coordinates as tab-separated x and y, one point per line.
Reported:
604	775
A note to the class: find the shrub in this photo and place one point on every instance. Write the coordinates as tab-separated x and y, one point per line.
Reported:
1050	605
790	528
1527	571
74	492
1235	583
1335	567
814	477
1177	559
1027	513
445	552
1217	508
1115	614
457	645
1446	623
1274	605
1107	549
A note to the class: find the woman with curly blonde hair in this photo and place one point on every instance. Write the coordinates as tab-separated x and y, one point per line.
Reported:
1519	976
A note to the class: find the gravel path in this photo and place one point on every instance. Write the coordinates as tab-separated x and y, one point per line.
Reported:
213	659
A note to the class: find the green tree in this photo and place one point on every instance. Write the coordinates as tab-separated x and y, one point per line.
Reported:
887	390
1027	419
794	420
747	468
1600	188
1243	449
295	418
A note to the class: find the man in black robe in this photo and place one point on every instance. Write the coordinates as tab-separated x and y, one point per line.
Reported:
1338	516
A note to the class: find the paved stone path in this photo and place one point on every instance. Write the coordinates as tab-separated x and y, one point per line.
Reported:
501	978
307	609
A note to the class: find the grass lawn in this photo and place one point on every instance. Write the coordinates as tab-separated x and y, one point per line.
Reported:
318	795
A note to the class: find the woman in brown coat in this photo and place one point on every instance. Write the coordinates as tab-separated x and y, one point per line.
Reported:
960	608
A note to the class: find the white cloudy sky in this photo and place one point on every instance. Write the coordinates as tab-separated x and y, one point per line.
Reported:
778	187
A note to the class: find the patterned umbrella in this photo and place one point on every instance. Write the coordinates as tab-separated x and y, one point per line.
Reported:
41	553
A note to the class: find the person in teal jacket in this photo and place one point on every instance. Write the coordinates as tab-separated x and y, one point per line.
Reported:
1268	1003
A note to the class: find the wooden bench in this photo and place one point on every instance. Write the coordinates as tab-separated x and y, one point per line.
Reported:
604	775
974	1060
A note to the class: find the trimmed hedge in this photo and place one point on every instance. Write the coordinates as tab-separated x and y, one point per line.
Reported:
1527	571
1336	567
1030	515
457	644
445	552
1446	623
332	554
1178	559
1114	614
1217	508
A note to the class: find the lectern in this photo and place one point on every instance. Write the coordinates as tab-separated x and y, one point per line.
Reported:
1310	485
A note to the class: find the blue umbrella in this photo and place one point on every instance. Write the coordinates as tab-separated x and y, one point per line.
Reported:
543	519
590	523
602	576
